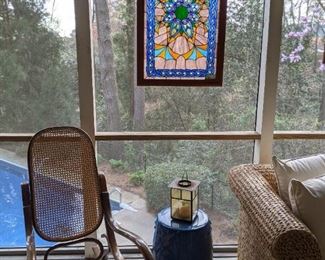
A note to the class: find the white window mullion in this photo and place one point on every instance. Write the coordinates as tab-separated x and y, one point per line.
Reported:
85	83
268	81
85	68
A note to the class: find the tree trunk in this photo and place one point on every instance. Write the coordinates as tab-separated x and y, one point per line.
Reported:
138	115
107	74
130	10
138	122
6	21
137	93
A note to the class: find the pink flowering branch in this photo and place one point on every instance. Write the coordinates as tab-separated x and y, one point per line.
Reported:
298	36
322	67
321	4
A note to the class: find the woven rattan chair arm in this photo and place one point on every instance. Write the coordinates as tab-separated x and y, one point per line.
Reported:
285	236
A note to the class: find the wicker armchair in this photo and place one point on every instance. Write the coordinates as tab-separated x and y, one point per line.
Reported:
268	229
65	199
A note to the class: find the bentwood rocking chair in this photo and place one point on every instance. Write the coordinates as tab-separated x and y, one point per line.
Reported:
65	199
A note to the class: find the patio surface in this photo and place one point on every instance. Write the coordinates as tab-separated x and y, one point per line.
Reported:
138	220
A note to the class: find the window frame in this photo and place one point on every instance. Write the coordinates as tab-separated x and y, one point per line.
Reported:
264	133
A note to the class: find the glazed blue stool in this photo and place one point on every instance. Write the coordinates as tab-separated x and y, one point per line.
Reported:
178	240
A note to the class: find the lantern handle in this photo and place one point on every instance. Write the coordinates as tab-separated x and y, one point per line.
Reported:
186	176
184	182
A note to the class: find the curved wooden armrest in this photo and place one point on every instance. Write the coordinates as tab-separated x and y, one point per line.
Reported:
112	226
138	241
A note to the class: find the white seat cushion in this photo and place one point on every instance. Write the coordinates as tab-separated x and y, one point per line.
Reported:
308	204
300	169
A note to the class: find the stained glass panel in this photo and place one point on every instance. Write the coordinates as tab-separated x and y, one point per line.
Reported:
180	41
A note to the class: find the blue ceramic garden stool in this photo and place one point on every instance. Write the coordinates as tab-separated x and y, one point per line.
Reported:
178	240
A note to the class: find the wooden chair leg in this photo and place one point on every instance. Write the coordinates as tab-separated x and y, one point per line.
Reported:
30	241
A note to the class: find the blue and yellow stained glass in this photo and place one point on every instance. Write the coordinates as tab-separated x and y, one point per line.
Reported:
181	38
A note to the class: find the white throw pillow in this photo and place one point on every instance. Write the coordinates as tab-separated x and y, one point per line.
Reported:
308	204
300	169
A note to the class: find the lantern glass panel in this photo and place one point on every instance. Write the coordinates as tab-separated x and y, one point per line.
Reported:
175	205
181	209
176	193
186	195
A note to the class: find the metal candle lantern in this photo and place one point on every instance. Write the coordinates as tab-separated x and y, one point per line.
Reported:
184	199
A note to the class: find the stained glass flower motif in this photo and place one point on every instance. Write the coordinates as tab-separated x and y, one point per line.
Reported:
181	38
181	16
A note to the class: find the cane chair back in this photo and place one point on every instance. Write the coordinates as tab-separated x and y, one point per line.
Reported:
64	184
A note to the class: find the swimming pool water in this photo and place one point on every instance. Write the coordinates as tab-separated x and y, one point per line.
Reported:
12	227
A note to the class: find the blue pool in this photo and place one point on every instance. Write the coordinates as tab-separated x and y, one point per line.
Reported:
12	229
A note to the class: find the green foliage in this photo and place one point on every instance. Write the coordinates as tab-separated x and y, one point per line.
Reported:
130	155
199	124
38	75
117	164
158	177
136	178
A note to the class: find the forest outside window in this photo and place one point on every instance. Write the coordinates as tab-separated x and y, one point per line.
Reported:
123	106
143	179
38	66
301	82
39	88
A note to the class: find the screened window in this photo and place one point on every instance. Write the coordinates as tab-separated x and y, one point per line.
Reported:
38	67
38	89
122	106
133	108
143	181
301	90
